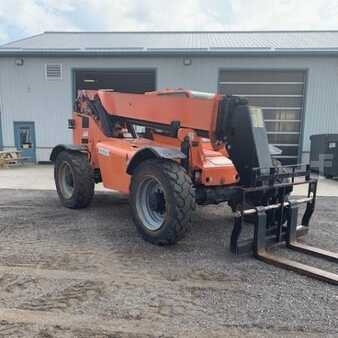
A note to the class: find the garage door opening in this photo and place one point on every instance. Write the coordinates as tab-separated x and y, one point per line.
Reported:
125	81
280	94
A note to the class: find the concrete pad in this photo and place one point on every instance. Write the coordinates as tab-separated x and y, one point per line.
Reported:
41	177
38	177
326	187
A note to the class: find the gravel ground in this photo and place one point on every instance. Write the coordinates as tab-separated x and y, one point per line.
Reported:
87	273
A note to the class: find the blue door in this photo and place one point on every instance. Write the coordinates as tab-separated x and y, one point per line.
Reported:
25	139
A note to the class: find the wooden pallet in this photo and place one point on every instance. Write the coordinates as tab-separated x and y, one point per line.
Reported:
11	159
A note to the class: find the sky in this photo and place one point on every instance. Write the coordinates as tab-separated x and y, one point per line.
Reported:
22	18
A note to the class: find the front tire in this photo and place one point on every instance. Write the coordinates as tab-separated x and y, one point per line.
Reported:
74	179
162	199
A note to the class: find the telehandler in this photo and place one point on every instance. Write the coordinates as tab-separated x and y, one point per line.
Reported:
172	149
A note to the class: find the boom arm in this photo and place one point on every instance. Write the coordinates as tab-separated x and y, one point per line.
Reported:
225	120
161	110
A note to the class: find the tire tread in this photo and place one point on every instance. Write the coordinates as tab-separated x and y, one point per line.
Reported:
84	177
184	195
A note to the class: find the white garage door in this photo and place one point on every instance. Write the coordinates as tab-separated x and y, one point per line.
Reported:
280	94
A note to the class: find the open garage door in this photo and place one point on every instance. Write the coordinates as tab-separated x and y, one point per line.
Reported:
281	96
125	81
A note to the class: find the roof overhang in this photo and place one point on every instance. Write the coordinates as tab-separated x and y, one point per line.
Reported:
168	52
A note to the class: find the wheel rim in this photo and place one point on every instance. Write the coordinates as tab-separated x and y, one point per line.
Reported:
150	203
66	179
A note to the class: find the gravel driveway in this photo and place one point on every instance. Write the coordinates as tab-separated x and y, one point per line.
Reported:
87	273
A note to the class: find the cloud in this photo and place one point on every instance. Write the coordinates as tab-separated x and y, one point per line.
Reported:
212	14
26	17
3	36
19	18
151	15
284	14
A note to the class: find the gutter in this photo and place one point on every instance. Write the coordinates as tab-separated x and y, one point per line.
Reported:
134	51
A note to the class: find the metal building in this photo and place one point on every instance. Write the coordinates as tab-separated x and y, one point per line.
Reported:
293	76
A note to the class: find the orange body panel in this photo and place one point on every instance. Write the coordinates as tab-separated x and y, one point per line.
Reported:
196	114
216	168
112	155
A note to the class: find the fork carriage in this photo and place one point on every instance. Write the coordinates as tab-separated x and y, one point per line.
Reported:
275	220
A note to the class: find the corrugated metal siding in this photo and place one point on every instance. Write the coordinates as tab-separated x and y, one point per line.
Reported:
1	138
322	101
28	96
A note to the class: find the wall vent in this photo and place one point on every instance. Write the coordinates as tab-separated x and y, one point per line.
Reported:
53	71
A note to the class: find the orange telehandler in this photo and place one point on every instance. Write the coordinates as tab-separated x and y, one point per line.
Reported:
172	149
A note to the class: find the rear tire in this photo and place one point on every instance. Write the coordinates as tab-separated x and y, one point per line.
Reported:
74	179
162	199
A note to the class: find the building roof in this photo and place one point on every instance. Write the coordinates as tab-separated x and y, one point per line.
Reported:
217	42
